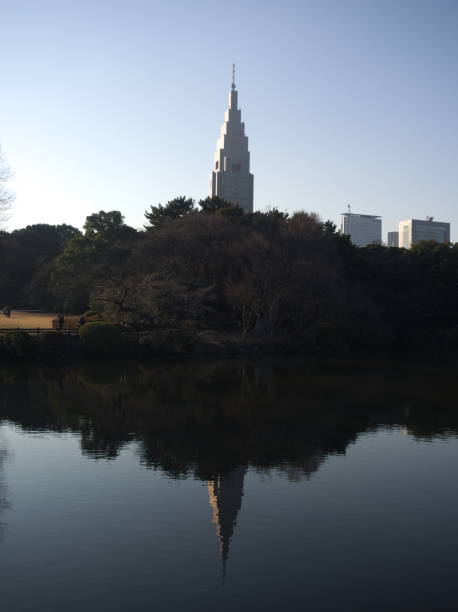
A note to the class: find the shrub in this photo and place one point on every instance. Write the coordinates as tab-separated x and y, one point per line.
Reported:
18	343
53	342
92	315
100	338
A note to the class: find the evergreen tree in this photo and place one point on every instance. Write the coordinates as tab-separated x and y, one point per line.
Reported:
174	209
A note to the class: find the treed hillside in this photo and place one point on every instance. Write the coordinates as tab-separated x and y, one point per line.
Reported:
212	266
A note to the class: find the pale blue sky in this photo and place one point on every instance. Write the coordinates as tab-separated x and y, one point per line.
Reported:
118	104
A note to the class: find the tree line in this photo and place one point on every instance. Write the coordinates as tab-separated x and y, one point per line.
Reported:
211	266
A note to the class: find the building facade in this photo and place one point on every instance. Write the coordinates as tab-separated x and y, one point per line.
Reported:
362	229
393	239
231	178
412	231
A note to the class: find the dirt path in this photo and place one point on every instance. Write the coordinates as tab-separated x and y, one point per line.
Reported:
28	320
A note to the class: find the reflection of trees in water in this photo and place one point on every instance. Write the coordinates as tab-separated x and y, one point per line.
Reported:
207	419
215	420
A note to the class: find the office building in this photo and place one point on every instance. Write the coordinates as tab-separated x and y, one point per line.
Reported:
362	229
416	230
393	239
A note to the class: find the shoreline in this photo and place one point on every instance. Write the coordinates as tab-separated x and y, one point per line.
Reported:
33	343
58	346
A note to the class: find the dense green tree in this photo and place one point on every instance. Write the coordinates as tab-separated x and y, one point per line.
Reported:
329	227
27	257
106	226
174	209
87	260
214	204
43	240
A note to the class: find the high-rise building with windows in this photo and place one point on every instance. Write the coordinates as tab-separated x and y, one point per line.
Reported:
362	229
393	239
416	230
231	178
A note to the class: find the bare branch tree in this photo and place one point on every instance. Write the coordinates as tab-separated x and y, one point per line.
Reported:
6	196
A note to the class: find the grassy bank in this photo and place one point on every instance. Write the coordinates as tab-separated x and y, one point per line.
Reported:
25	319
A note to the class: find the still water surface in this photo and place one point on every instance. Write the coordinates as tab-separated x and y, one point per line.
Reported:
227	486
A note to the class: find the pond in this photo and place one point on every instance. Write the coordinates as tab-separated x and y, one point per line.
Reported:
292	485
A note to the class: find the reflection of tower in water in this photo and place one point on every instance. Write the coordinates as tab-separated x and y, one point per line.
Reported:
226	494
3	458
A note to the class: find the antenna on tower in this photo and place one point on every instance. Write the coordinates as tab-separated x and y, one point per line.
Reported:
349	208
233	76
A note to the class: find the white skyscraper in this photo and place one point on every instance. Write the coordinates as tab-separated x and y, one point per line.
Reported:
231	178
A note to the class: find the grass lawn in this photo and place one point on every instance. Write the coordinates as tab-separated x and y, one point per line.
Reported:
24	319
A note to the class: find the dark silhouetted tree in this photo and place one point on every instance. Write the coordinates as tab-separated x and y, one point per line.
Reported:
329	227
106	226
214	204
174	209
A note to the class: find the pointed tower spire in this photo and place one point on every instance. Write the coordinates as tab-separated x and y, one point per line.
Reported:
231	178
